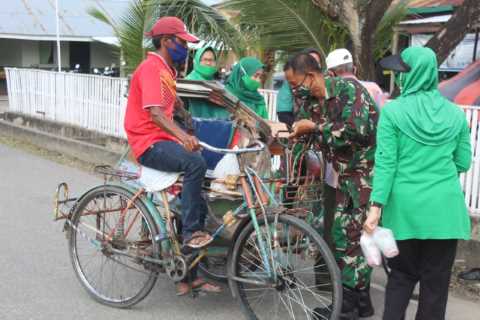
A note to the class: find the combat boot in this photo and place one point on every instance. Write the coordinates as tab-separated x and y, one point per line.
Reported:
365	306
349	307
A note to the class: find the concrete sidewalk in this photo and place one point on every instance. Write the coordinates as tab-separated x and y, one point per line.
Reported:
3	104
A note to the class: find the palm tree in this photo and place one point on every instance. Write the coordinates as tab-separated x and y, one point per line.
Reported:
363	20
203	20
291	25
284	26
288	25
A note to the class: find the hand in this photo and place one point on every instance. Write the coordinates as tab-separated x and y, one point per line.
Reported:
278	129
190	143
373	217
302	127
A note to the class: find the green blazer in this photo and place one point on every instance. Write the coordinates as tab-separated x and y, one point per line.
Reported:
418	184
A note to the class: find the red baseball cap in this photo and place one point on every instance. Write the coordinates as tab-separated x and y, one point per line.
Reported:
171	26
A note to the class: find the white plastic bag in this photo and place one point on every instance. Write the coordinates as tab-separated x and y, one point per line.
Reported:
370	250
227	166
385	241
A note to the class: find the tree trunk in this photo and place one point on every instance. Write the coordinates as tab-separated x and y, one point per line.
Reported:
361	18
371	15
453	32
269	67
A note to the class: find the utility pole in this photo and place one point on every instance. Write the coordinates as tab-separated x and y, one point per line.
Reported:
59	57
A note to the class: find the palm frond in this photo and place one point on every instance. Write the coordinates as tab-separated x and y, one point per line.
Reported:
102	16
205	21
288	24
131	29
384	33
202	20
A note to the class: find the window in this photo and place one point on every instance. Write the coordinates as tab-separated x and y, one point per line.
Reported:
46	49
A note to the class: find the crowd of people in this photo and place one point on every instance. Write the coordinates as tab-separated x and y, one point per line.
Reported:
397	167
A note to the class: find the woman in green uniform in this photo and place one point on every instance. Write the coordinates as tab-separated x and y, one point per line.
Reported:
204	69
423	143
244	82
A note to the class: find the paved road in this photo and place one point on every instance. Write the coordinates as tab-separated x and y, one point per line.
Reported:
37	280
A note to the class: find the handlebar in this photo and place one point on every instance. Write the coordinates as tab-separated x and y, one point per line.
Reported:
259	146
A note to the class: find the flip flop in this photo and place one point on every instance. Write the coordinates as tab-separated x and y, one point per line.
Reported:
471	275
182	289
202	285
197	235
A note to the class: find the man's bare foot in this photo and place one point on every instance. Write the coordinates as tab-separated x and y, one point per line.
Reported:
182	288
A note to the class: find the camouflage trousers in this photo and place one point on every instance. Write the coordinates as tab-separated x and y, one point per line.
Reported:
347	228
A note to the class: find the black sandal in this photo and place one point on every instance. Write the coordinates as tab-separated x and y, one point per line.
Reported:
470	275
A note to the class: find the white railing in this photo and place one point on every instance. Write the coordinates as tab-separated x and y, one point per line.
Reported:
98	103
92	102
471	180
271	102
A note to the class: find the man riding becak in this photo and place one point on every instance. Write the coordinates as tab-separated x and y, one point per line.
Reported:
158	142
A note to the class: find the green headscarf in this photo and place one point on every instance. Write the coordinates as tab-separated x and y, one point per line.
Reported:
201	108
235	85
421	112
202	72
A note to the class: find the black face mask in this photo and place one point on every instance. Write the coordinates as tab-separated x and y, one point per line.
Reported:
302	92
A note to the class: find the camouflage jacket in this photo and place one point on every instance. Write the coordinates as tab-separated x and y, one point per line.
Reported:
350	117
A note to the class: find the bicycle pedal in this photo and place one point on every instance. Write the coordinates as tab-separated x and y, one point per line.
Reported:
242	216
189	251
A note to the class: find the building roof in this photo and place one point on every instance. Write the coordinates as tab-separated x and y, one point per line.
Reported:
429	20
35	19
431	6
464	88
434	3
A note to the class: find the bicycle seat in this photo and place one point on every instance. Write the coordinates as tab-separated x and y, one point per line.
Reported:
154	180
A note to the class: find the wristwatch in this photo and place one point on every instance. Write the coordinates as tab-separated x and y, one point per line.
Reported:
318	128
376	204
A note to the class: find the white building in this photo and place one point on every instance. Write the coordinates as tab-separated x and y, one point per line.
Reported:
28	34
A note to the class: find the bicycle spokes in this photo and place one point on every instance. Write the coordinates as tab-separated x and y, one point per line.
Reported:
301	287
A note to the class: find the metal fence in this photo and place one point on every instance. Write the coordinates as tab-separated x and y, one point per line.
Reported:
98	103
271	102
92	102
471	180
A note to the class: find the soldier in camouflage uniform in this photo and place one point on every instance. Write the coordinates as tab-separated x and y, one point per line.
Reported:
345	121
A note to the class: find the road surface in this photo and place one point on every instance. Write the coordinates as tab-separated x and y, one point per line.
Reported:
37	279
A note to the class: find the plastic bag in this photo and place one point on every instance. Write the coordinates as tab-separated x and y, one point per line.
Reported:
370	250
385	241
227	166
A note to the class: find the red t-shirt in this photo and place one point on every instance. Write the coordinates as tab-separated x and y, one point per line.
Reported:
152	84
